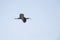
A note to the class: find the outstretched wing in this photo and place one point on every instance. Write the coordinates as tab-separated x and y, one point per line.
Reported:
27	18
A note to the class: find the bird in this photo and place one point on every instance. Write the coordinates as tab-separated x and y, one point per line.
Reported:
21	16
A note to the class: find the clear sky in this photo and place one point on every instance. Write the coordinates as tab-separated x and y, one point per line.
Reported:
43	25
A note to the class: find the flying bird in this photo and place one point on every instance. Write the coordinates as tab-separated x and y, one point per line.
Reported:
21	16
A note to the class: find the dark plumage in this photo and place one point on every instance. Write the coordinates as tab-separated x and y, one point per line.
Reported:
21	16
24	20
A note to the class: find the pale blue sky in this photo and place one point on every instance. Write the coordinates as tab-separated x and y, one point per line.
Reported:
43	25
